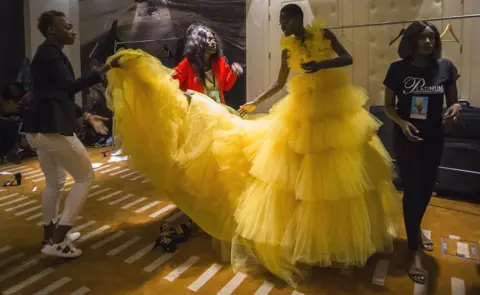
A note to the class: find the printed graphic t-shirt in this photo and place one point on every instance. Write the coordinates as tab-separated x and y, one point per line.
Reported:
420	93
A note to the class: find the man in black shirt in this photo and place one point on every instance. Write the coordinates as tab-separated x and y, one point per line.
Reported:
418	83
50	124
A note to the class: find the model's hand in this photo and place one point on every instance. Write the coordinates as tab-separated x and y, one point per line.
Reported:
237	69
452	113
97	123
248	108
410	131
312	67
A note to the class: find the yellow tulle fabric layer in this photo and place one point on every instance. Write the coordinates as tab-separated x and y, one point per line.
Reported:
309	183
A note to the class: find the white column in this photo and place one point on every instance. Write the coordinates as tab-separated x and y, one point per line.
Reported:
33	38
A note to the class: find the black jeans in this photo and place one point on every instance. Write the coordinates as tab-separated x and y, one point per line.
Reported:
418	164
8	135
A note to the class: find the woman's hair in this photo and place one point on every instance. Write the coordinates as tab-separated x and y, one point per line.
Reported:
293	11
7	94
47	19
195	46
410	38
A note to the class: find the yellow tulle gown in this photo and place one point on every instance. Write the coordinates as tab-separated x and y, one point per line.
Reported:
307	184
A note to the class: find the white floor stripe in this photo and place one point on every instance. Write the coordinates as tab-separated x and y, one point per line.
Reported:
101	167
380	272
109	196
11	258
177	272
463	250
28	281
81	291
136	178
13	201
163	210
21	206
33	172
28	210
35	216
8	166
427	233
145	181
8	196
5	248
174	217
123	246
2	190
233	284
265	288
120	172
22	170
40	223
458	286
98	192
453	237
54	286
108	239
18	270
205	277
140	253
69	183
34	176
83	226
91	188
131	204
129	174
109	170
297	293
148	206
38	179
16	168
93	233
121	199
158	262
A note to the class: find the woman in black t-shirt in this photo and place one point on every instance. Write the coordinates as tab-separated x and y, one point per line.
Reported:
418	84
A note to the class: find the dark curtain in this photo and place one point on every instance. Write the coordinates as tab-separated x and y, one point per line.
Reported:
12	39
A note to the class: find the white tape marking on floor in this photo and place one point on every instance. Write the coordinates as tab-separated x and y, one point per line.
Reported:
2	190
108	239
177	272
109	170
13	201
158	262
380	273
91	195
129	174
297	293
28	210
80	291
54	286
453	237
69	183
101	167
145	181
458	286
265	288
16	168
233	284
120	172
126	197
35	216
32	172
140	253
163	210
5	248
11	258
123	246
29	281
8	166
38	179
22	170
93	233
34	176
136	178
18	270
109	196
83	226
148	206
133	203
9	196
205	277
21	205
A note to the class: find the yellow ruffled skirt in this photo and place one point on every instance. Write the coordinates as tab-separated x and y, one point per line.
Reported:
309	183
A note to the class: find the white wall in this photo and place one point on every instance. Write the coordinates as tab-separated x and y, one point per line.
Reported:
369	46
33	38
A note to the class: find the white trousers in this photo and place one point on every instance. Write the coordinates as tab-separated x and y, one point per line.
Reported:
57	154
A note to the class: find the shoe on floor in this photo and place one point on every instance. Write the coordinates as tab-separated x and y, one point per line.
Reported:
64	249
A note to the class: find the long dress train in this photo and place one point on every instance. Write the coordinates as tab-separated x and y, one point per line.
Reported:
309	183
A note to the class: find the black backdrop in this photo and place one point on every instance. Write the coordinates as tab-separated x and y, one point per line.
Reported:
12	39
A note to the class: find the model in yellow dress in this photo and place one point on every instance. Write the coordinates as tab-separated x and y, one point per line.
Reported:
307	184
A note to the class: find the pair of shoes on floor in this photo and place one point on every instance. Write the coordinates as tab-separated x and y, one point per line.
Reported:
170	236
65	249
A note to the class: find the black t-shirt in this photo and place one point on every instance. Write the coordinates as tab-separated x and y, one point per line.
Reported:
420	92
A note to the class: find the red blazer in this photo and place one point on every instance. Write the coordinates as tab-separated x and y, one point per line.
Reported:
188	79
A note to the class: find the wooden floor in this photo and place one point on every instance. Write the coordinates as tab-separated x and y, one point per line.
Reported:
120	221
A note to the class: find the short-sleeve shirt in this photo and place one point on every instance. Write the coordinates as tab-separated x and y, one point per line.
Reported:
420	93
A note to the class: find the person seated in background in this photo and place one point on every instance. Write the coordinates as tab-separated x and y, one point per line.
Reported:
204	68
13	104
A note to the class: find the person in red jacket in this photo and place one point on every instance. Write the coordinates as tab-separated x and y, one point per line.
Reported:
204	68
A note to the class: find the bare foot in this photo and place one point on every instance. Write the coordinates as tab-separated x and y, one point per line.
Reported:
416	272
